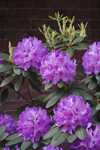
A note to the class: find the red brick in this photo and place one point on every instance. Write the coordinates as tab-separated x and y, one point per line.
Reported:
20	4
2	34
3	4
80	14
95	4
14	24
93	35
84	4
37	23
13	96
64	4
94	24
40	4
30	13
3	44
78	54
3	13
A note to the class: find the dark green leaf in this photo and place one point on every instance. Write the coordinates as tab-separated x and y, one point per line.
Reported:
55	98
66	93
92	84
33	79
3	136
60	83
97	94
80	71
12	137
41	97
85	95
60	139
76	40
7	80
25	73
6	68
19	83
94	110
35	145
48	85
3	96
98	77
71	138
75	92
45	141
35	87
98	107
50	133
2	129
50	95
15	141
81	132
80	86
95	123
70	52
4	55
86	80
17	71
81	46
25	145
1	148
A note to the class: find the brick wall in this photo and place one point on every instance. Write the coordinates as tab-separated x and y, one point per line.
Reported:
21	18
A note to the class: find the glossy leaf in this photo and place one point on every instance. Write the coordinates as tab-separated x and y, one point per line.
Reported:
97	94
34	79
95	123
35	145
66	93
81	132
98	107
35	87
7	80
50	133
3	136
6	68
25	145
94	110
92	84
98	77
71	138
85	95
50	95
4	55
3	96
70	52
17	71
60	83
75	92
2	129
15	141
19	83
45	141
77	39
81	46
12	137
48	85
80	71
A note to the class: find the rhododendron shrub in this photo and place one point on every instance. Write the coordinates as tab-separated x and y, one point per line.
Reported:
65	112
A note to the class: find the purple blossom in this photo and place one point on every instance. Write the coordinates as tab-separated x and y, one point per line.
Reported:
29	52
34	123
10	122
56	65
91	59
72	112
8	148
92	140
51	147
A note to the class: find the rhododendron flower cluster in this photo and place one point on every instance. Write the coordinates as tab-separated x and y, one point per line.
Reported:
91	59
8	148
72	112
92	140
29	52
34	123
51	147
56	65
10	122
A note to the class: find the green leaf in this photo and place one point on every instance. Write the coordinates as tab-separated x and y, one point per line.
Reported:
80	71
4	55
75	92
98	77
12	137
45	141
71	138
7	80
50	95
70	52
35	145
55	98
32	77
2	129
80	86
41	97
85	95
76	40
25	73
25	145
61	138
15	141
86	80
98	107
94	110
81	46
97	94
48	85
50	133
6	68
3	136
35	87
92	84
60	83
3	96
17	71
19	83
66	93
1	148
81	132
95	123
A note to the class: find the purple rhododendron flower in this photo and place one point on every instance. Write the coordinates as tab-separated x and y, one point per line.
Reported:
29	52
92	140
1	61
56	65
91	59
34	123
8	148
51	147
72	112
10	122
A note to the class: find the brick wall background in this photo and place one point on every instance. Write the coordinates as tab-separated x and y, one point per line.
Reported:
21	18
